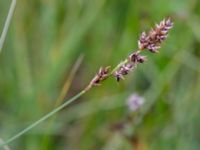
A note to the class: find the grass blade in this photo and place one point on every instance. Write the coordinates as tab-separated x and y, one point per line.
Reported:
7	23
54	111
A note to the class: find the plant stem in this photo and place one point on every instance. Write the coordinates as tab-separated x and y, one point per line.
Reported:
7	23
43	118
60	99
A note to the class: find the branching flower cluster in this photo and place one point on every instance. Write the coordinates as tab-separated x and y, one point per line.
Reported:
148	41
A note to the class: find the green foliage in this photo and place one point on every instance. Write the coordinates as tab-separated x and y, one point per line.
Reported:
44	41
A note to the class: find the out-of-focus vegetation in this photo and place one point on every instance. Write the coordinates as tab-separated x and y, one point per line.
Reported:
44	41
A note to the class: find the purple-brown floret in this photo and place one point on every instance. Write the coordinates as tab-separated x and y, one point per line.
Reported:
155	37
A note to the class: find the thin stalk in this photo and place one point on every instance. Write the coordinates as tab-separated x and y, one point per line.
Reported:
62	95
7	23
5	146
43	118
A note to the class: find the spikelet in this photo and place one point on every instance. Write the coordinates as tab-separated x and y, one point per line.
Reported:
100	76
155	37
131	64
150	41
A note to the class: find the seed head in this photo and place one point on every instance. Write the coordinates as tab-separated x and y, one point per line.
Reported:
151	41
131	64
100	76
123	69
155	37
137	58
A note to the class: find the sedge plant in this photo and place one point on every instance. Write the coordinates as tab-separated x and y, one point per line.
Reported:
150	41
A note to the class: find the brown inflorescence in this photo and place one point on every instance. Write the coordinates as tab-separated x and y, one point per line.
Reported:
155	37
125	68
137	58
151	41
100	76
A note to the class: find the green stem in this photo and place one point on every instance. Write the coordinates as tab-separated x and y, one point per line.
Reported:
43	118
7	23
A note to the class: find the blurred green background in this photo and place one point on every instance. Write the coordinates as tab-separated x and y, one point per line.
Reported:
47	37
